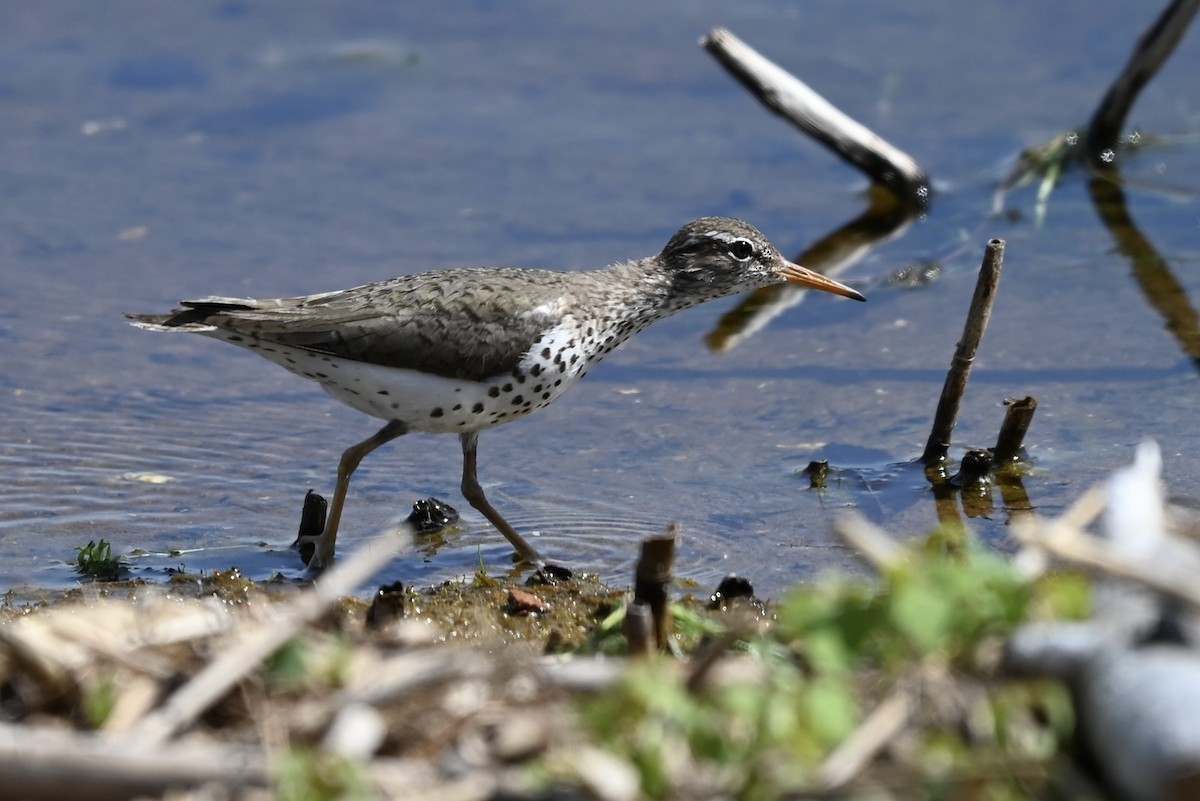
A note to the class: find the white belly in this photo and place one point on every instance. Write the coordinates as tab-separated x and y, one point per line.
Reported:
422	401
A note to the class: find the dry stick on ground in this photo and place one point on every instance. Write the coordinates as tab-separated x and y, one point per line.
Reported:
1017	417
857	751
47	763
1152	51
868	540
260	641
1073	545
792	99
964	355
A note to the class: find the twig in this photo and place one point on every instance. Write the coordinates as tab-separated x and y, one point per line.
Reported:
52	764
1017	417
260	641
856	752
792	99
1152	51
872	543
1097	554
964	355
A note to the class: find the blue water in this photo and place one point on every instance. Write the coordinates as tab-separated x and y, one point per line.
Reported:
149	154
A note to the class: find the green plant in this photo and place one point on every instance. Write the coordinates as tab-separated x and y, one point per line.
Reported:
97	561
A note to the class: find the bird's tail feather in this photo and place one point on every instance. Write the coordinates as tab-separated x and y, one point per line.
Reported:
191	315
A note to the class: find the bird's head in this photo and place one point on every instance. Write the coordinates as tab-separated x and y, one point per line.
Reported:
716	256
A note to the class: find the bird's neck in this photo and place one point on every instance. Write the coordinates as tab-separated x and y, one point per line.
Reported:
645	287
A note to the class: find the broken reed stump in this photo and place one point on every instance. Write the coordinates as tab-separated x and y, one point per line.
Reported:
978	315
652	577
790	98
312	523
638	629
1011	439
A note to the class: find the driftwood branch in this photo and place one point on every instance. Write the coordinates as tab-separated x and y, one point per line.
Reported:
1152	51
964	355
792	99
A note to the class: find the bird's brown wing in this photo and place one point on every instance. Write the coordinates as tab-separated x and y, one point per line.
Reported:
471	324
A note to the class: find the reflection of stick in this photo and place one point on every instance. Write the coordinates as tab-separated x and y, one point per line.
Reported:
964	355
1152	271
1152	51
791	99
1009	441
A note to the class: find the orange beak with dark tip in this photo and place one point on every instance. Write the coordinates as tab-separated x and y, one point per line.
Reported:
802	276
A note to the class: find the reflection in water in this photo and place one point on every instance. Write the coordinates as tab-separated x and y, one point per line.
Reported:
1151	270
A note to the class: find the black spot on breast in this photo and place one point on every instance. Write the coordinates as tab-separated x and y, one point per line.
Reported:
320	375
536	370
518	400
457	407
546	353
506	388
236	338
437	412
477	408
545	396
383	392
494	392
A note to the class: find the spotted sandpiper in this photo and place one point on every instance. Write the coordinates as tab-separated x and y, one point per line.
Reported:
461	350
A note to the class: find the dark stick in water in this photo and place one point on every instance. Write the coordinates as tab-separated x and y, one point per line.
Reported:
964	355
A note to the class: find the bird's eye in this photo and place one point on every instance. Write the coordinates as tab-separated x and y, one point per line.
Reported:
741	249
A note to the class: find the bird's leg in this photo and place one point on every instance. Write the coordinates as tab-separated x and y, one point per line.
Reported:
323	555
474	495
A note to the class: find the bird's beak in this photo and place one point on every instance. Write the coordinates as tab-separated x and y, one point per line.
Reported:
802	276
